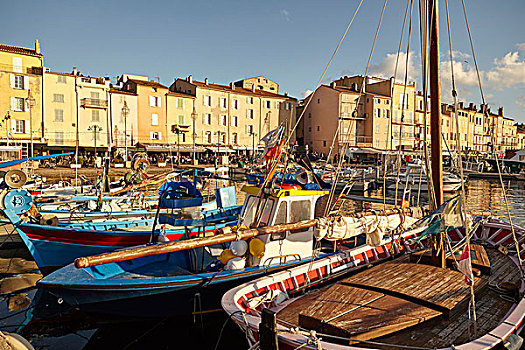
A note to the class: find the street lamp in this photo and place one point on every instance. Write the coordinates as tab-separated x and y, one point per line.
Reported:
179	129
125	111
253	147
6	119
95	128
31	103
194	118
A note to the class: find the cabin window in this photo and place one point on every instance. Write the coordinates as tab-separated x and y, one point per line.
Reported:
280	218
251	209
300	211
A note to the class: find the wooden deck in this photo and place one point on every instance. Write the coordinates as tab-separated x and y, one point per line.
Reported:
439	289
382	320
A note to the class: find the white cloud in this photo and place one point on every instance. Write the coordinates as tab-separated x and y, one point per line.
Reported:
458	55
521	101
305	94
285	14
386	68
509	71
464	73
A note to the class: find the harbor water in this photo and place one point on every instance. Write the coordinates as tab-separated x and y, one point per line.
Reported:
48	323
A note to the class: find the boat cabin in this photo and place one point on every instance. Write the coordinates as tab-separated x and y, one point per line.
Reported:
279	207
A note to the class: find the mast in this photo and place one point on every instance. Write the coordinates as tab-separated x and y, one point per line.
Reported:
438	249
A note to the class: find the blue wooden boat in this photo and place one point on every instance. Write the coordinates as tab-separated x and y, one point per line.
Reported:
191	274
56	246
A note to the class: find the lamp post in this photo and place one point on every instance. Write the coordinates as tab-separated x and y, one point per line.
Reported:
95	128
253	147
125	111
194	118
31	103
6	118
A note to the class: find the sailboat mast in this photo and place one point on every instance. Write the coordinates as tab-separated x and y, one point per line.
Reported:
438	248
435	104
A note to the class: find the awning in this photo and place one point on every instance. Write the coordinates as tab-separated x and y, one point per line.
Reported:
219	149
172	148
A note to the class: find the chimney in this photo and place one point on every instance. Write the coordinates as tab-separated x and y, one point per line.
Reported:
232	86
286	94
205	81
500	111
190	79
37	47
332	84
75	71
460	104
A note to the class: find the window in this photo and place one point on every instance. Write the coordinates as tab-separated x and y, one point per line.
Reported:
277	105
59	98
17	104
387	113
235	121
234	138
19	82
250	129
155	135
207	119
223	120
181	120
155	119
280	218
250	100
180	103
95	115
207	100
309	115
17	65
223	138
59	115
250	113
18	127
95	95
154	89
222	103
207	137
299	211
378	128
318	128
61	80
287	106
59	137
403	100
318	100
268	104
310	129
235	104
154	101
324	143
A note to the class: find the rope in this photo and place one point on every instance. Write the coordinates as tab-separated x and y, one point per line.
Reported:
485	112
361	92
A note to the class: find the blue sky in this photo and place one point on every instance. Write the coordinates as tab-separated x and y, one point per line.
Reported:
288	41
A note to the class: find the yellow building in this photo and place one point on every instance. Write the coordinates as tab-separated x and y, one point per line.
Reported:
180	120
60	110
124	119
233	116
21	96
152	128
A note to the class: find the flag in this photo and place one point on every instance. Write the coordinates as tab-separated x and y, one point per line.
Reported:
273	143
465	267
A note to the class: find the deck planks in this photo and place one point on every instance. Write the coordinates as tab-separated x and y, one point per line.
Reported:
440	289
361	314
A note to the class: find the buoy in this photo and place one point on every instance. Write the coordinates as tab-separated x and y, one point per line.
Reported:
239	248
257	247
235	264
226	256
404	203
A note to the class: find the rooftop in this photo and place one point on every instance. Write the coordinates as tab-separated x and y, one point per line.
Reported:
20	50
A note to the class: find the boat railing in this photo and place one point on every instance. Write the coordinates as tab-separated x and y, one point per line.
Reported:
283	259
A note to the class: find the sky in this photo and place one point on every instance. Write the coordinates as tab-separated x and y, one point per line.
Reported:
289	42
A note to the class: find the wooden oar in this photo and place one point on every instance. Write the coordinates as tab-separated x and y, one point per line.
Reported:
134	253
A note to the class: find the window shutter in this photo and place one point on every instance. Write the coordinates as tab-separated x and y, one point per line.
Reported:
12	81
26	82
160	135
13	125
152	101
204	119
158	100
13	104
151	135
27	127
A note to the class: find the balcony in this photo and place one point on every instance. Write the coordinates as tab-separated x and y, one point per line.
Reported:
93	103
